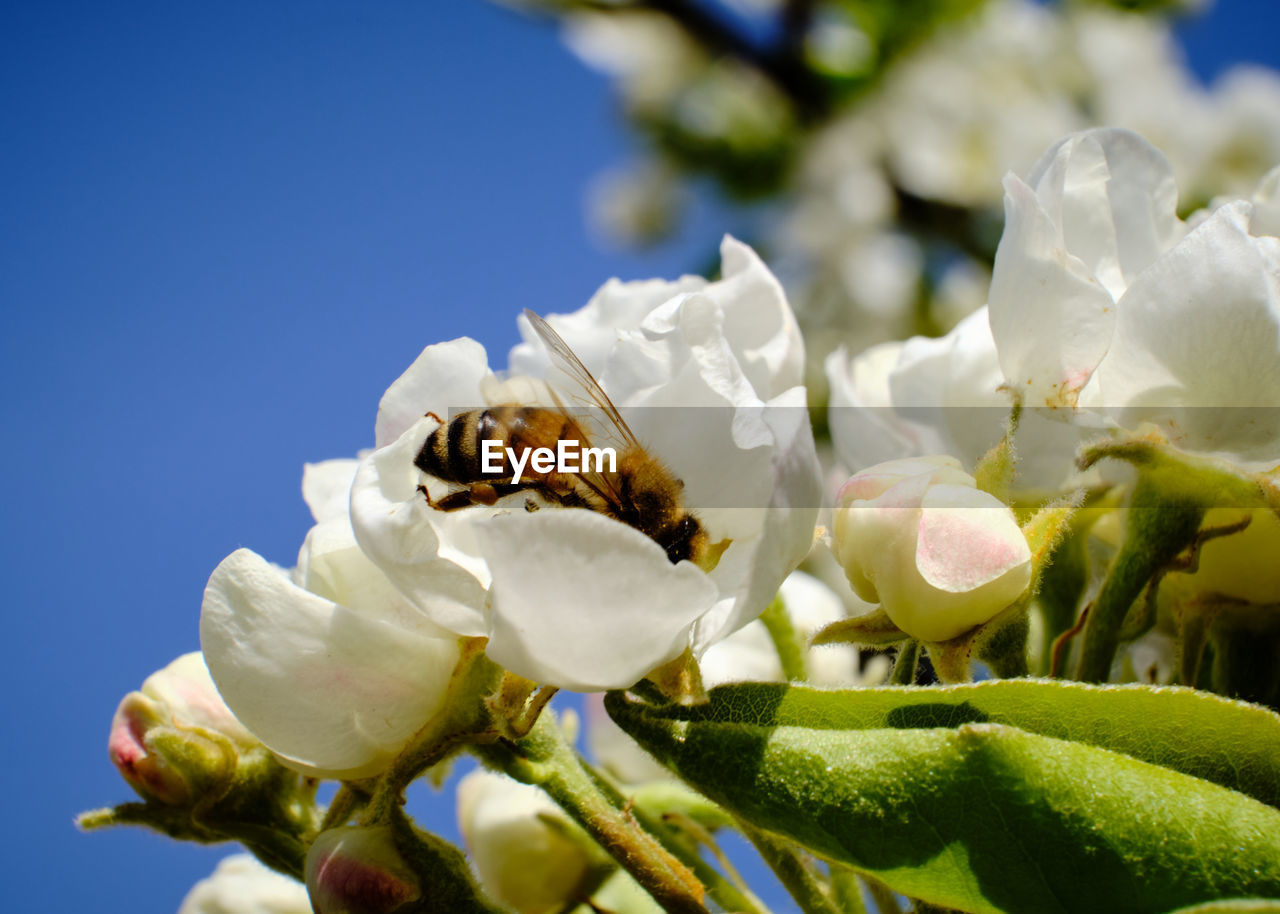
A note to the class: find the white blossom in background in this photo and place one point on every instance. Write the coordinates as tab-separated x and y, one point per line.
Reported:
525	851
649	55
749	654
635	204
938	554
329	665
242	885
1107	310
731	350
977	100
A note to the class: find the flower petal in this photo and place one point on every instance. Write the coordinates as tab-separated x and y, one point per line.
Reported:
584	602
1196	346
395	527
1050	317
326	487
331	691
444	376
967	538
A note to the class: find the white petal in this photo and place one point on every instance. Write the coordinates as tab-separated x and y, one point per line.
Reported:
395	527
967	538
584	602
1113	196
330	691
1197	346
445	376
1050	317
788	522
760	329
748	655
593	330
813	605
242	885
332	565
326	487
865	428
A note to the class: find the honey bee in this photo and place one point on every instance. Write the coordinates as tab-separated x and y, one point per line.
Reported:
639	489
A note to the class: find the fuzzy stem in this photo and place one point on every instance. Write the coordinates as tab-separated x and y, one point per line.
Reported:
544	759
904	667
786	640
791	871
1158	529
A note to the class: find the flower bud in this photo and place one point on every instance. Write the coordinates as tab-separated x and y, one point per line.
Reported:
176	734
359	870
526	853
937	553
242	884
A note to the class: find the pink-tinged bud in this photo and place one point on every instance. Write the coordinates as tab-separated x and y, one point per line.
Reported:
175	734
359	870
938	554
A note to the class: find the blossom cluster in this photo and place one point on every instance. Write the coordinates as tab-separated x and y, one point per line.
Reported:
1109	318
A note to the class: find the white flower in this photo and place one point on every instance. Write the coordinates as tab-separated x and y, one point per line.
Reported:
976	100
179	700
1101	302
329	666
938	554
709	378
525	851
937	395
242	885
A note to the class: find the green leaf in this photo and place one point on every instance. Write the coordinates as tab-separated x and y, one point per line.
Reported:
981	817
1207	736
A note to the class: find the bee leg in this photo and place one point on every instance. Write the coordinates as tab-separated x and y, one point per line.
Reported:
483	493
451	502
430	415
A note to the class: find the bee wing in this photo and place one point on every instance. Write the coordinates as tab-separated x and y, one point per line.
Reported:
582	387
593	411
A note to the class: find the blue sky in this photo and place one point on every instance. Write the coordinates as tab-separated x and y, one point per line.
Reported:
226	229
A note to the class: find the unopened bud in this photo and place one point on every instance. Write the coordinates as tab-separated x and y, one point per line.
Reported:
176	734
938	554
526	852
359	870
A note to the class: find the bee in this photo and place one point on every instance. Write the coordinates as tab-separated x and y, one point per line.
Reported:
639	489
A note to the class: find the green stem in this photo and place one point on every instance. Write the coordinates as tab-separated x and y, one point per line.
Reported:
791	871
1158	529
463	718
846	890
340	810
884	897
721	890
544	759
904	667
786	640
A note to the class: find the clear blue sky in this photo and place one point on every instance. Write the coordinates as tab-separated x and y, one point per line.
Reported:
225	229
